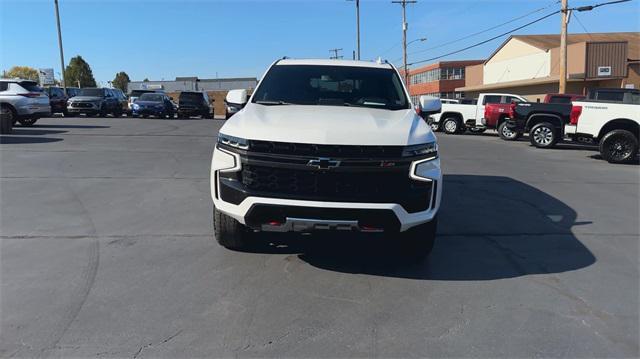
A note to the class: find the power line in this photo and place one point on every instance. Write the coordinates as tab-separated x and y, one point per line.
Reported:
488	40
582	26
486	30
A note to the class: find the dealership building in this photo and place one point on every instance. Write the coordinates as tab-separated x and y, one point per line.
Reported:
439	79
529	65
195	84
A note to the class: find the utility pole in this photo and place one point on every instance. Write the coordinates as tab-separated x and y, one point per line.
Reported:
64	79
404	36
562	88
335	52
358	26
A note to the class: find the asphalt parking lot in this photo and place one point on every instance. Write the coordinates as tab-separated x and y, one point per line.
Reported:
106	250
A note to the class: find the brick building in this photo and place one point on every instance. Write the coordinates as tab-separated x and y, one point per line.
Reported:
439	79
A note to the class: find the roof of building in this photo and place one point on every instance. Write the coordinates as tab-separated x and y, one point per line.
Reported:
517	83
187	78
333	62
551	41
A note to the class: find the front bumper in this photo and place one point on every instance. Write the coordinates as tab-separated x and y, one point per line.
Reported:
146	112
253	209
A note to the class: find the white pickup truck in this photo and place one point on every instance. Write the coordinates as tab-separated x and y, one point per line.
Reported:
614	126
456	118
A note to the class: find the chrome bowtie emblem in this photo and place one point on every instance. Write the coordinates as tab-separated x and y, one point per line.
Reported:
323	163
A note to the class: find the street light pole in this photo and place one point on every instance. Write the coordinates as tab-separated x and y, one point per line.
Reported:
64	79
404	36
562	87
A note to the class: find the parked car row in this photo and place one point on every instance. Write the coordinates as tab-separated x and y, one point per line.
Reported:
609	118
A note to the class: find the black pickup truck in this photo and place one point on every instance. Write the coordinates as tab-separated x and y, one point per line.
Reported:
545	121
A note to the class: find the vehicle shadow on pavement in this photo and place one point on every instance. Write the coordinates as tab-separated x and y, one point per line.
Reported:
35	131
490	227
6	140
69	126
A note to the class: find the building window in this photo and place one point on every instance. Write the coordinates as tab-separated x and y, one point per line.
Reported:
451	73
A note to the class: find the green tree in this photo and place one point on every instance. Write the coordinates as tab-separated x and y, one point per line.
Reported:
145	80
79	71
23	72
121	81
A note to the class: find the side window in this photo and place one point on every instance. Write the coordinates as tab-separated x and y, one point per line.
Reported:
4	86
491	99
510	99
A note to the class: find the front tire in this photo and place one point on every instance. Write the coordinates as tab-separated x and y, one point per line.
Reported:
28	122
619	146
506	133
418	241
451	125
543	135
228	232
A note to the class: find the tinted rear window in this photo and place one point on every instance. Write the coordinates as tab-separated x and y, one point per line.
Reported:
610	96
31	86
492	99
190	96
560	99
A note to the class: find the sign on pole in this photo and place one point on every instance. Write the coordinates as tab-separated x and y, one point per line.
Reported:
46	76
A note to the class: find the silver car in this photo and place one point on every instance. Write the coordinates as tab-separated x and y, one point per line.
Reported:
23	101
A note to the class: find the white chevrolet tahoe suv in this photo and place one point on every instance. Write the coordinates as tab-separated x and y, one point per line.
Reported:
327	145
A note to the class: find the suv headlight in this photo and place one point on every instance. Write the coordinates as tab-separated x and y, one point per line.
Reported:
232	141
425	150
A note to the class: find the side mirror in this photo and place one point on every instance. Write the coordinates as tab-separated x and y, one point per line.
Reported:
429	105
238	97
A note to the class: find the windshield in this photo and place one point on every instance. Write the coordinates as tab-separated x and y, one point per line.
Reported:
190	97
137	93
332	86
150	97
91	92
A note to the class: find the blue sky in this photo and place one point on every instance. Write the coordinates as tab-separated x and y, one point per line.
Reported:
168	38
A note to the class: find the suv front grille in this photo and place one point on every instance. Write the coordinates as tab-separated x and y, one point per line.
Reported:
82	104
393	186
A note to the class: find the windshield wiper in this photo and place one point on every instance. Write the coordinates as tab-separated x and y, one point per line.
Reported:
272	103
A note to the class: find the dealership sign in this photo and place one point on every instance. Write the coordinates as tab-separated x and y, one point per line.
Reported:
46	76
604	71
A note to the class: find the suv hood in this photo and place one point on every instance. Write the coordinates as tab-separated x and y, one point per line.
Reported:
86	98
335	125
